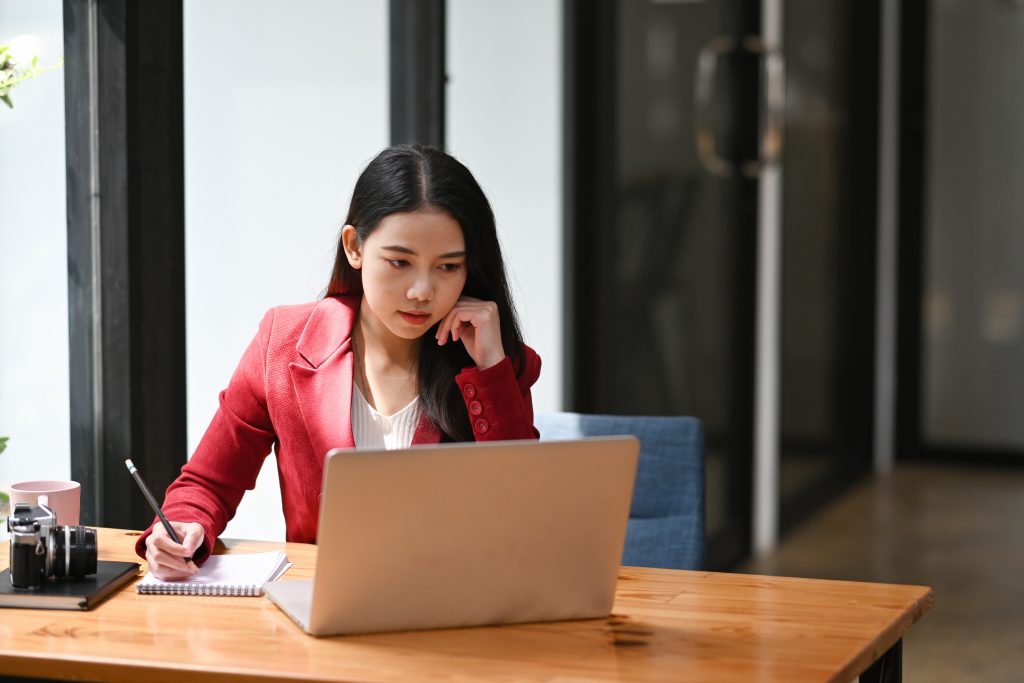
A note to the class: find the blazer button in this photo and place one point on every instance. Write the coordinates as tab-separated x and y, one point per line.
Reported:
469	390
481	426
476	407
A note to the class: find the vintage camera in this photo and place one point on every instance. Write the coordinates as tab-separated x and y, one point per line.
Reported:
42	549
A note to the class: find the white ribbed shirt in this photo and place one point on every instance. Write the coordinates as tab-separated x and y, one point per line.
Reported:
370	429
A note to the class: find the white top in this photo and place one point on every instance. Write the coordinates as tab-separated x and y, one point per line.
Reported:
370	429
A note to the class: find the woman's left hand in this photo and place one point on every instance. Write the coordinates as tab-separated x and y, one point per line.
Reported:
476	324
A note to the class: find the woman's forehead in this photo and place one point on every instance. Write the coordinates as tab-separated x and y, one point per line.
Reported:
421	231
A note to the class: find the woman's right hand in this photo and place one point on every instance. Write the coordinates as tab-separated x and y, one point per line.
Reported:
166	558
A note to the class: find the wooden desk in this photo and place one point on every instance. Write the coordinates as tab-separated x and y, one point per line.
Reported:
666	625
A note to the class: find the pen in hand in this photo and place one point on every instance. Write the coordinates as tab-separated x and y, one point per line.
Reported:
153	504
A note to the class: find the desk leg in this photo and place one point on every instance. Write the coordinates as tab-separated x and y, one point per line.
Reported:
888	668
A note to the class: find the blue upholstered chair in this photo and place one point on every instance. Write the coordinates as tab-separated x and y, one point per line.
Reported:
666	522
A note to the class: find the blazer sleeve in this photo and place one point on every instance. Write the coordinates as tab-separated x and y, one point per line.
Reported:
230	454
500	405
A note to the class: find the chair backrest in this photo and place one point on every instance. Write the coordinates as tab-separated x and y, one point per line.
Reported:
666	525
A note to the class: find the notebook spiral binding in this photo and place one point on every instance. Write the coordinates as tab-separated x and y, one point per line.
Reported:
247	590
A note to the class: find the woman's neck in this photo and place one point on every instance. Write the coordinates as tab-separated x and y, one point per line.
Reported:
378	343
386	365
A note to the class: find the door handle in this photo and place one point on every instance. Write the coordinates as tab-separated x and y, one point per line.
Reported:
773	109
704	93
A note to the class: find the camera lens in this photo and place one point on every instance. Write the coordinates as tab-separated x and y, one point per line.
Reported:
74	551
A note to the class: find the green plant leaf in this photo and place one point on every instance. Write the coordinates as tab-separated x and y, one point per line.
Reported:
3	443
11	75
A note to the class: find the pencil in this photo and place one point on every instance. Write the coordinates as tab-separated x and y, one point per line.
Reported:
153	504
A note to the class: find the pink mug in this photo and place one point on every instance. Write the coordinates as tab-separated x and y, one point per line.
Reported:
64	497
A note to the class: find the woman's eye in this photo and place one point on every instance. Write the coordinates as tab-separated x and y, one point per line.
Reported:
398	262
450	267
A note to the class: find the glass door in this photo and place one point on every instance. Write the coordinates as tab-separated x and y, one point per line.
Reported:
721	250
664	250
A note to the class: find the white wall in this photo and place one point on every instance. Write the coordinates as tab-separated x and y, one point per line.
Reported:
284	105
504	121
34	399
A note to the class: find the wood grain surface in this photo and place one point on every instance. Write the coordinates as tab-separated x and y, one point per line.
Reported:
666	625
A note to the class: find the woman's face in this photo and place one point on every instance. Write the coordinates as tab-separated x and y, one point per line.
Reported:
413	269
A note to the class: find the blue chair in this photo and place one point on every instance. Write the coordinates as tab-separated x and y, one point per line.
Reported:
666	522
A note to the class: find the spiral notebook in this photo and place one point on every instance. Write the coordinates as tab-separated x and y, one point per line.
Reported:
224	575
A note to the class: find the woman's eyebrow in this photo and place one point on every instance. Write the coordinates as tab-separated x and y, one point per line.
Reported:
403	250
407	250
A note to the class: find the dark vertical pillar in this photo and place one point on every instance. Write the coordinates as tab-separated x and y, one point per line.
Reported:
417	71
125	204
589	185
913	122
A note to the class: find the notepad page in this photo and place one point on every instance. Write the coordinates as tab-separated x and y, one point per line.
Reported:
224	575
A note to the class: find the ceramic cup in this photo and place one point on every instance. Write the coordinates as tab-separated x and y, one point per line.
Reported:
64	497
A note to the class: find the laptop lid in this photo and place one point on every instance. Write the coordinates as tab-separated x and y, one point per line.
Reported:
470	534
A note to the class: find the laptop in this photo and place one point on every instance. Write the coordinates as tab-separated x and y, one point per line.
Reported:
467	534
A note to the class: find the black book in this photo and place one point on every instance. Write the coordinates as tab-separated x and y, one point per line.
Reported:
69	593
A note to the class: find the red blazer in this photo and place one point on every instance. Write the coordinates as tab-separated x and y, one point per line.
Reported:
292	391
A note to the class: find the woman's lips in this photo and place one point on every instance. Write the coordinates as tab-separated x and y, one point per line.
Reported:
415	318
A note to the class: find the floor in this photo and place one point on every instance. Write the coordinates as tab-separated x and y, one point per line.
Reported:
959	529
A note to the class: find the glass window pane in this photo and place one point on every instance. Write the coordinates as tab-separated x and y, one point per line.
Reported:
504	120
973	300
284	105
34	398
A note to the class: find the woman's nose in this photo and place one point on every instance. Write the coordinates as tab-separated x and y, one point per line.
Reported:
421	289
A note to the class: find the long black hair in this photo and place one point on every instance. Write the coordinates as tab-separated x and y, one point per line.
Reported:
406	178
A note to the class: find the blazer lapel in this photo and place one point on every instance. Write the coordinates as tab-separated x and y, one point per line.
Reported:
323	382
426	431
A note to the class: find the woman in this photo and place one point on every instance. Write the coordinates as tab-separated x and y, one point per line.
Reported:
415	342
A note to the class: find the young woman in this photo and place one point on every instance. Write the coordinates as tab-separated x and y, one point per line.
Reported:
415	342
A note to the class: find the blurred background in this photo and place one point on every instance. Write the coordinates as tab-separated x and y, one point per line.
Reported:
801	221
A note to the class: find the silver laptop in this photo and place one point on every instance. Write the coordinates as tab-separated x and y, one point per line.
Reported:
465	535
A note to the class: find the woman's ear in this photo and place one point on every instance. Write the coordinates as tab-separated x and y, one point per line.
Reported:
353	250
